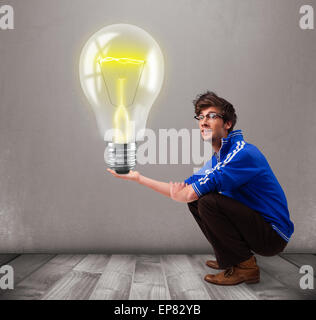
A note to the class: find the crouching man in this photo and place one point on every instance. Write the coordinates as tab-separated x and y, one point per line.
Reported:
235	198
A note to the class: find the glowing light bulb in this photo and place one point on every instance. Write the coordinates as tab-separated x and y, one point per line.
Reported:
121	73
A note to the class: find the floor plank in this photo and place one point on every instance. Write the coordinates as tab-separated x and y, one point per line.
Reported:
5	258
79	283
25	264
183	281
38	282
149	281
93	263
75	285
270	288
115	282
286	273
300	259
240	292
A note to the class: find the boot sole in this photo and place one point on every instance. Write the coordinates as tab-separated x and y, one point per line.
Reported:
250	281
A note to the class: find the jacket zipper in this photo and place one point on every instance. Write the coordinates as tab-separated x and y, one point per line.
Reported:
219	152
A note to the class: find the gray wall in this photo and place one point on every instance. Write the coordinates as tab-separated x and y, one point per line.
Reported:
54	192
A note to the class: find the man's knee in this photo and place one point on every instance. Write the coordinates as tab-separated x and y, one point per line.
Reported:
193	206
208	199
207	204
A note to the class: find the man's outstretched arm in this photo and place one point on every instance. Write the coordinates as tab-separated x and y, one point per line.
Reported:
158	186
177	191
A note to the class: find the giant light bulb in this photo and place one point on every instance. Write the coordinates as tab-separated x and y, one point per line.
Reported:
121	73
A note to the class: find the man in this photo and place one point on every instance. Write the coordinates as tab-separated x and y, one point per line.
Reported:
235	198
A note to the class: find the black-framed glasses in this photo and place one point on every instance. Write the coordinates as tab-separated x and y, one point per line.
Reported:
211	115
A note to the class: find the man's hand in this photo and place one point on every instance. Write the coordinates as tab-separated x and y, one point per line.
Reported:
175	187
132	175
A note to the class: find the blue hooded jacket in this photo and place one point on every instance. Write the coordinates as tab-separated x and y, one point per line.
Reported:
243	173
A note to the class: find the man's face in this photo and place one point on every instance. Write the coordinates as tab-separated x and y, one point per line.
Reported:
213	128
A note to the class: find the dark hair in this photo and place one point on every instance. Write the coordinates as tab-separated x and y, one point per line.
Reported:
211	99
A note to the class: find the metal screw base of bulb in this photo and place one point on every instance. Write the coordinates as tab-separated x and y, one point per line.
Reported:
121	157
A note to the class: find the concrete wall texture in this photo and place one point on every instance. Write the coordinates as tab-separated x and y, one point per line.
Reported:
55	195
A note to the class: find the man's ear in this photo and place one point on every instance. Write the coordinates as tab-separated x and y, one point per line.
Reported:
228	125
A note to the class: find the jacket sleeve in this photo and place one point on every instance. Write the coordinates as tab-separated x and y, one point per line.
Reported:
239	167
201	173
193	179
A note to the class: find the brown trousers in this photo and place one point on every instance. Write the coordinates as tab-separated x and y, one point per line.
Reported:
234	230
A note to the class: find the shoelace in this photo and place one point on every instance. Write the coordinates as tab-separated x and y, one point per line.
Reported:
228	272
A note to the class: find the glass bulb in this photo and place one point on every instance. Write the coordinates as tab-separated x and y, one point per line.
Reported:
121	73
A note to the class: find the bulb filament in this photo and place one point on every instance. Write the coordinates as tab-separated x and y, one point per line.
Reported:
121	119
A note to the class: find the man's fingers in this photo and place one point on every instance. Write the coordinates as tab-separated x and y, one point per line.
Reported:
113	172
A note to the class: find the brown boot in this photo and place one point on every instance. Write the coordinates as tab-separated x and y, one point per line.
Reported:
246	271
212	264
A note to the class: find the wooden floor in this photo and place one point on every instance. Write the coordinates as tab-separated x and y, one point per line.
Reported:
142	277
